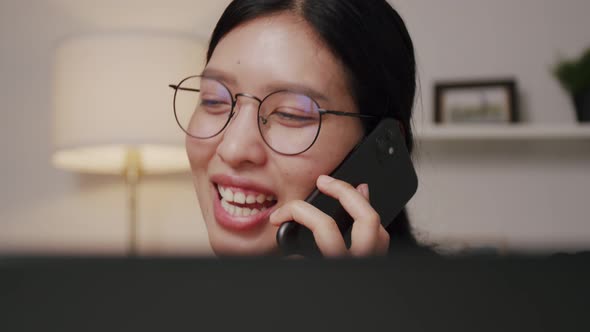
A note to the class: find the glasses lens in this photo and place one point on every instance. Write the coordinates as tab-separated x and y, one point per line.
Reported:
289	122
202	106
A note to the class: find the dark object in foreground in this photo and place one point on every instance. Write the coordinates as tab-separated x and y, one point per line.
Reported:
404	293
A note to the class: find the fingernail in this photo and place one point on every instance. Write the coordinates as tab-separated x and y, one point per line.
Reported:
325	179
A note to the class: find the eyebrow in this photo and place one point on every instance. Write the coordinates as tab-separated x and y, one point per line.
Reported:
270	87
219	75
296	87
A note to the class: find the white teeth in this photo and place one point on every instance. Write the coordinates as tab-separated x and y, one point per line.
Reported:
241	198
227	194
237	211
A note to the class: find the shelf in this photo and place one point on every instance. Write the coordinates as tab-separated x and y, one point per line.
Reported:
504	132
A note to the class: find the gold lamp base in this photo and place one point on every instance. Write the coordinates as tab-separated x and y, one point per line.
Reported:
132	175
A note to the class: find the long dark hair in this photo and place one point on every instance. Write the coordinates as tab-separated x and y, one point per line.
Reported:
370	38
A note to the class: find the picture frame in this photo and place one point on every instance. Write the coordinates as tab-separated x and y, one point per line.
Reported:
476	102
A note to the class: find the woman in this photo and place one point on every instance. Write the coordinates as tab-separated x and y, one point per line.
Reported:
257	144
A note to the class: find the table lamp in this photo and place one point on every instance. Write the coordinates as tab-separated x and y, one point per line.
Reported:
113	108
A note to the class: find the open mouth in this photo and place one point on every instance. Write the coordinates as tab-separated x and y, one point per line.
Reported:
243	203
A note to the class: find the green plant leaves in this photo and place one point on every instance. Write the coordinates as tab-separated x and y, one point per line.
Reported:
574	75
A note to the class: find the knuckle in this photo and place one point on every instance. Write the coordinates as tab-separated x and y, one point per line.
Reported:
374	218
386	236
298	205
345	185
328	225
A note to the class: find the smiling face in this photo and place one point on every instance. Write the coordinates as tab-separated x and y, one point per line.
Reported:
239	179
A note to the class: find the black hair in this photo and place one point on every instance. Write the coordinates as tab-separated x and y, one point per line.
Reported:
371	40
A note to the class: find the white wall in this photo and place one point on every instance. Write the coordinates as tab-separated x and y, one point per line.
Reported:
499	38
524	195
518	195
45	210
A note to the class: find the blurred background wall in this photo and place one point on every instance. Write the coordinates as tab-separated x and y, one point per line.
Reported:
509	194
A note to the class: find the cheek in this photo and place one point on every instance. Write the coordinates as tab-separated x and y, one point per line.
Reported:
199	153
299	175
301	172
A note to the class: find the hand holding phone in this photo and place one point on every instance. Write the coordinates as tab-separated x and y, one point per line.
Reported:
383	162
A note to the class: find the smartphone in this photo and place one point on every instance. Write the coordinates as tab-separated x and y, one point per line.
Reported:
382	161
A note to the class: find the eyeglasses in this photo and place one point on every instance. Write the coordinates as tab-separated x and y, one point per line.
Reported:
289	122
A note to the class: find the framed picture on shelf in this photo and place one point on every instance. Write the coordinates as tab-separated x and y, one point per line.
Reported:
475	102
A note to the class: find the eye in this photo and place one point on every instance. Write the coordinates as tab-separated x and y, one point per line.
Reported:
292	117
214	104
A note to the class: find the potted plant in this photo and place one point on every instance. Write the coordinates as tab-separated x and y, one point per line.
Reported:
574	76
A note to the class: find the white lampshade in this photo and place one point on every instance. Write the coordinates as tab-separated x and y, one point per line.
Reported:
111	94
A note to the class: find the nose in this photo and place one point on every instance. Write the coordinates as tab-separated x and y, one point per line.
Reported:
241	144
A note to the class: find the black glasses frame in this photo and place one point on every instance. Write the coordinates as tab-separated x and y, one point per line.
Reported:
235	97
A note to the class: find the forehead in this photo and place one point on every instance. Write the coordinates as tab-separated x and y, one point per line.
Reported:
278	48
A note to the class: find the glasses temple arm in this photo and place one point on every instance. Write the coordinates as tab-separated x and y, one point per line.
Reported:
350	114
176	87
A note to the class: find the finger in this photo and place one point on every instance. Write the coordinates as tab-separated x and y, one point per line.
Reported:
365	245
353	201
325	231
382	242
364	240
364	190
365	229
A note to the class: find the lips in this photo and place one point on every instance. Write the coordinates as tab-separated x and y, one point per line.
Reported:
240	204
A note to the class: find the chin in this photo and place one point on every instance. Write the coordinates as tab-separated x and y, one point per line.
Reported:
225	249
241	245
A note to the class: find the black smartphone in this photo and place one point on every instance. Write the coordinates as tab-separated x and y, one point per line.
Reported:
382	161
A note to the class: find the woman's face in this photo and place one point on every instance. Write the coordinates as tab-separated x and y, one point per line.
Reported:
258	58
